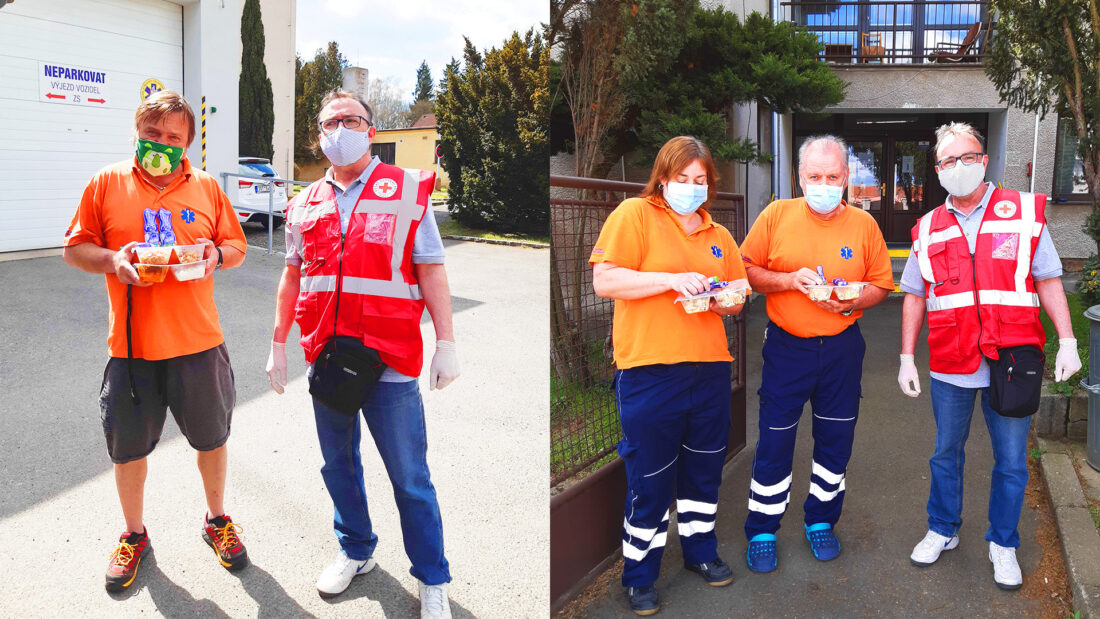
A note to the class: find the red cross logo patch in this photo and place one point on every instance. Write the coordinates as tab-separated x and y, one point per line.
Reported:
1004	209
385	187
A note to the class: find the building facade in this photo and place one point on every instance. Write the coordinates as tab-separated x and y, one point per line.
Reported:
77	69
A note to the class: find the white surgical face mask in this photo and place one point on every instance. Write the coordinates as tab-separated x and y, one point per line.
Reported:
823	198
345	146
962	179
685	198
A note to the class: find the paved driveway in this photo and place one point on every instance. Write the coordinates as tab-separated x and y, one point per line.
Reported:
488	451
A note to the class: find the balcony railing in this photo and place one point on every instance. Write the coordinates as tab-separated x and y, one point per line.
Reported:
895	32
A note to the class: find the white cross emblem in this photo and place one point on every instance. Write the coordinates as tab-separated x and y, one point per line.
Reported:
384	188
1004	209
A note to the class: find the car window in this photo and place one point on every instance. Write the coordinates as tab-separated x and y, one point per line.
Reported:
260	169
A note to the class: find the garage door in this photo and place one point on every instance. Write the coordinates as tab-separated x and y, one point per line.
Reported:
72	73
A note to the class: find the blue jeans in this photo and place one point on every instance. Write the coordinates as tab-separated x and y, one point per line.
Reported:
395	417
953	408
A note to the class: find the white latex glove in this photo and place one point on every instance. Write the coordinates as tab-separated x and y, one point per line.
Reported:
276	366
1068	361
444	368
907	376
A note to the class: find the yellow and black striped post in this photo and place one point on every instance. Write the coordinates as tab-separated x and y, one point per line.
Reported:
204	132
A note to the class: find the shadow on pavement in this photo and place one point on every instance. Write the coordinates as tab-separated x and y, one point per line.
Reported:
53	333
170	599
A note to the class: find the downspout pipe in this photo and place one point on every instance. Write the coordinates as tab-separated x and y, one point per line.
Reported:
775	126
1034	154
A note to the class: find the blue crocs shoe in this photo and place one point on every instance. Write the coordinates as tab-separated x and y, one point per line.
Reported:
761	555
823	541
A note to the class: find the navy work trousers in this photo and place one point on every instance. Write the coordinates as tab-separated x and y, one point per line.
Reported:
676	421
825	371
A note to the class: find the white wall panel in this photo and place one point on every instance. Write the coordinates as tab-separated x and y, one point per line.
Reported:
48	150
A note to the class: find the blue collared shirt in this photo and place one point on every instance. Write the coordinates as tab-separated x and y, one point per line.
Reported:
1045	264
427	244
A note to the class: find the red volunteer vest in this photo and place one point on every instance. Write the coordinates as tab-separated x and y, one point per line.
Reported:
379	298
981	303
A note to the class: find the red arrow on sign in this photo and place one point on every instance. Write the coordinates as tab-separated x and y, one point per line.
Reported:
97	100
53	96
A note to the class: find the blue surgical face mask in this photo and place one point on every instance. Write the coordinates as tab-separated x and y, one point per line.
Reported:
685	198
823	198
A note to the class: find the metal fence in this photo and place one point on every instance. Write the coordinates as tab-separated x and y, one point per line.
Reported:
271	206
895	31
584	422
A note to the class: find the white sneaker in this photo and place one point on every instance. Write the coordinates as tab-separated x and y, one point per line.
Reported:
929	548
337	576
433	602
1006	571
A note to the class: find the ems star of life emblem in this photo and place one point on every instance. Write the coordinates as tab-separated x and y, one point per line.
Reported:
1004	209
384	187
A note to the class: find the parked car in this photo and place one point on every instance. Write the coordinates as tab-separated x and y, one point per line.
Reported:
253	194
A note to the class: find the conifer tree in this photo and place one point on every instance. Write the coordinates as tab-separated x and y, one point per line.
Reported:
256	120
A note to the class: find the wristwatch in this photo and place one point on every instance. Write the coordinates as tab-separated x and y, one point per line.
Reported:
219	250
848	312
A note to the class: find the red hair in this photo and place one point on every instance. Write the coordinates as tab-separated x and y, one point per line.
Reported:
677	154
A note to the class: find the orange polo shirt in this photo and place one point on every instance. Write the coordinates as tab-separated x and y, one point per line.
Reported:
643	234
788	236
171	318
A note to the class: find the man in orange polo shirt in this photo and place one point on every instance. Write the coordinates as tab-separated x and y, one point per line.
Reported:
165	344
813	350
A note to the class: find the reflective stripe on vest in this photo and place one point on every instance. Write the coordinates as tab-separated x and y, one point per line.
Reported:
396	287
318	283
950	301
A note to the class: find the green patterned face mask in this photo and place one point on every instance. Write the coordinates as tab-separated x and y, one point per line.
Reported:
158	159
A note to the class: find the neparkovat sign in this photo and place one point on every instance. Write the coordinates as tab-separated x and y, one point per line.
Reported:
72	85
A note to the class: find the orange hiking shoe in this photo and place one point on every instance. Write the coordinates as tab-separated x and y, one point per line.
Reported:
122	568
221	534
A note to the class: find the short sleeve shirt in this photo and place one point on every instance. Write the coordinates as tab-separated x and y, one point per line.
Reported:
1045	264
643	234
427	244
788	236
171	318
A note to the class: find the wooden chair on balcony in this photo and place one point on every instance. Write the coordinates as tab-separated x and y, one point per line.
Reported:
951	52
871	47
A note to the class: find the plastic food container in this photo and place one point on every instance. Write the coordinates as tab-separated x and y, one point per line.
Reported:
151	273
849	291
725	297
729	297
820	292
186	271
189	253
154	255
696	304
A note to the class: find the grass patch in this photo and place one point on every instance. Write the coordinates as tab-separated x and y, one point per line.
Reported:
1095	516
1036	453
1080	331
440	195
454	228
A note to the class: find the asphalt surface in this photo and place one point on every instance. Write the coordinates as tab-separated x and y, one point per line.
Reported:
884	516
488	449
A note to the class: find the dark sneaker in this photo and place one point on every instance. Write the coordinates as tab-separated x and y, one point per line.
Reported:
823	541
122	568
716	572
643	600
221	535
761	555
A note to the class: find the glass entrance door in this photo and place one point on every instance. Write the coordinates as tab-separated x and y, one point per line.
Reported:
866	185
912	161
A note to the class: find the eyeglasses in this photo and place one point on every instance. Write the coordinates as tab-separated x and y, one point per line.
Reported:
968	159
349	122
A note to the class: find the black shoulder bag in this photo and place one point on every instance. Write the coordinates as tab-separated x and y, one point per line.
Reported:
346	371
1016	381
